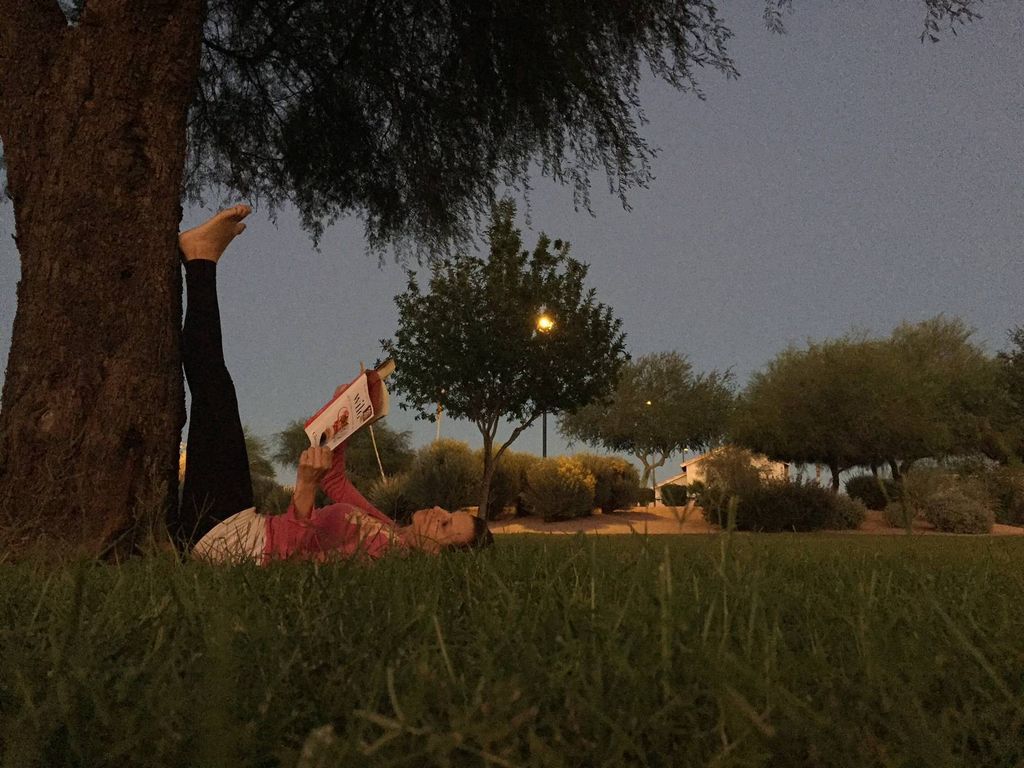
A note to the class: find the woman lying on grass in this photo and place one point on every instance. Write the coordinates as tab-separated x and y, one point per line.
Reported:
216	519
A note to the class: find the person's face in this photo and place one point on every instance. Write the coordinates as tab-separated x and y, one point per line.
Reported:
436	528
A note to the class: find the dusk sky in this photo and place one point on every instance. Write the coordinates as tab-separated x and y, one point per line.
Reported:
852	177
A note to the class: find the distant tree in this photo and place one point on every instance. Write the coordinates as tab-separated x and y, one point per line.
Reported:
396	455
470	341
948	400
925	392
660	406
1011	367
814	405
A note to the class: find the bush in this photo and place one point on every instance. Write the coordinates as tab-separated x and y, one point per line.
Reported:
898	515
508	480
519	465
645	496
1005	487
444	474
959	512
781	505
729	473
673	495
391	496
874	492
922	484
952	503
559	489
848	514
617	483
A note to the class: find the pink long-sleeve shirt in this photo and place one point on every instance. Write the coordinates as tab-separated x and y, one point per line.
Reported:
350	527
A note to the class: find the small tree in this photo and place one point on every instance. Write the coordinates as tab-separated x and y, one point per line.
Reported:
659	407
470	342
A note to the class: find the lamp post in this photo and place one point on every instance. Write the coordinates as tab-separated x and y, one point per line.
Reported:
545	324
440	412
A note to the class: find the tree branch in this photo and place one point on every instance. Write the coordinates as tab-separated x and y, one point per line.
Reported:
516	433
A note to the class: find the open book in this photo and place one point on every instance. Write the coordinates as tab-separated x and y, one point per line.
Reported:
350	410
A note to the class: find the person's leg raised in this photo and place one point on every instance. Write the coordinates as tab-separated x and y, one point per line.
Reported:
217	482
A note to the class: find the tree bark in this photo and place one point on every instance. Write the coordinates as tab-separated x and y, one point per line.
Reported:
834	468
93	122
488	473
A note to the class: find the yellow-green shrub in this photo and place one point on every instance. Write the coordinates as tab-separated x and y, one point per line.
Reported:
444	474
559	489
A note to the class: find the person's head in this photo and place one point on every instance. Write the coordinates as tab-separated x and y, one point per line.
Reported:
436	529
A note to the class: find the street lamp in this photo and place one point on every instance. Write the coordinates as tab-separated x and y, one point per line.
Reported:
440	412
545	324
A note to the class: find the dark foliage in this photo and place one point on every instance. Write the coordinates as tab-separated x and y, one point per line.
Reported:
417	112
874	492
787	506
617	482
673	495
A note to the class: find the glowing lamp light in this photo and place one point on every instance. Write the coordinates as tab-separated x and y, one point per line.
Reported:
545	323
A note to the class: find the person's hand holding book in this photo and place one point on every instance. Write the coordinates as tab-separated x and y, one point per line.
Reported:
313	465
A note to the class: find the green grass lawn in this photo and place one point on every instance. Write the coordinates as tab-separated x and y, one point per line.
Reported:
779	650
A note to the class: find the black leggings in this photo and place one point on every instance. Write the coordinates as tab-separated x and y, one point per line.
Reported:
217	481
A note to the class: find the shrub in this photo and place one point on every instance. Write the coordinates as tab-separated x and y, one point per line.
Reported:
617	483
645	496
952	503
559	489
959	512
729	473
848	514
920	485
898	515
518	464
508	480
444	474
874	492
1005	486
673	495
781	505
391	496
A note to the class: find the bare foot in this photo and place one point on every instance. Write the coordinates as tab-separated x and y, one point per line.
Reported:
209	239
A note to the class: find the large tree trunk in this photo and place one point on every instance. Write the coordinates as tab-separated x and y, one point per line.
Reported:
92	119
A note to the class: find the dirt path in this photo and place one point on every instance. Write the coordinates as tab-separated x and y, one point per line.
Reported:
657	520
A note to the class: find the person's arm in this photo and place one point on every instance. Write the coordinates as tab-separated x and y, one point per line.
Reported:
313	465
335	482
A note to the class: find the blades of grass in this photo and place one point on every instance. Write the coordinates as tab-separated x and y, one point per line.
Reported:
444	649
